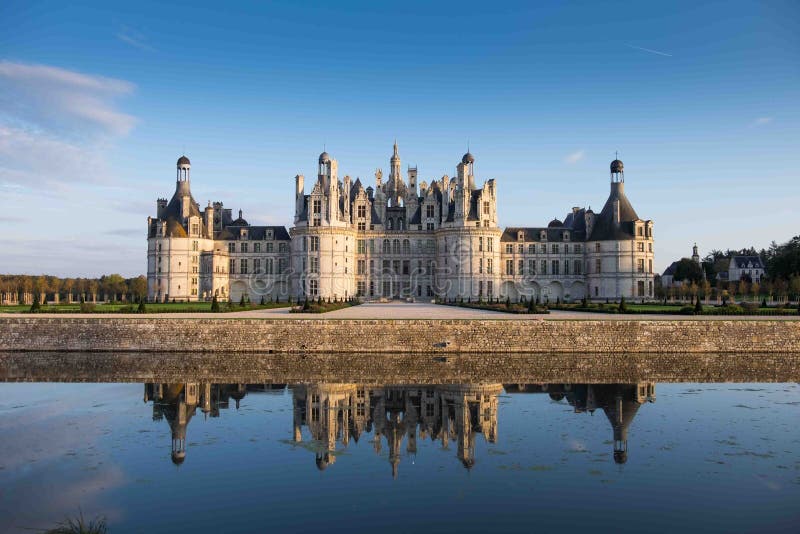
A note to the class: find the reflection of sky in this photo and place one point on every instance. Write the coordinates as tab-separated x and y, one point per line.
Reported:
719	456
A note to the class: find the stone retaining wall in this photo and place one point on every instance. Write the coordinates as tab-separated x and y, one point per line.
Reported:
393	336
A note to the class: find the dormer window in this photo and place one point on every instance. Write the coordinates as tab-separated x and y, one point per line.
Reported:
543	235
268	235
566	236
520	235
243	233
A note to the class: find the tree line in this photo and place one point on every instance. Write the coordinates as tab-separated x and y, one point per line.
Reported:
113	287
782	277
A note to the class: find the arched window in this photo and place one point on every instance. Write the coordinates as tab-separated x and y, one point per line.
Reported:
388	224
386	247
400	224
396	246
406	246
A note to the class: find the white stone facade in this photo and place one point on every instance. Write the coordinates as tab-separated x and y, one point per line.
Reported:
398	239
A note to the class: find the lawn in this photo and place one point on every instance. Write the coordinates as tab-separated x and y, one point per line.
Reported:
161	307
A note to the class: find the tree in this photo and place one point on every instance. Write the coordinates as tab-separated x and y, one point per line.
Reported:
214	305
241	302
142	308
784	260
138	287
698	308
622	306
688	270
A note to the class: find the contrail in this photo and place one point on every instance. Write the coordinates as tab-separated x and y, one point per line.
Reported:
649	50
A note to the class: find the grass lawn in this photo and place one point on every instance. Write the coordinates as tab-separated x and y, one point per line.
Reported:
161	307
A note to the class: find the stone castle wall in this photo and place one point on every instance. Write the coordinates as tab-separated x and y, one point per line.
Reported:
393	336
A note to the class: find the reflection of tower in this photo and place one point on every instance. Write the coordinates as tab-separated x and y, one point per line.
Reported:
177	404
471	409
326	410
620	403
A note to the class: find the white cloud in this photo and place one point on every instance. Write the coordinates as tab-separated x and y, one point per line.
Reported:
575	157
135	39
56	125
761	121
649	50
64	99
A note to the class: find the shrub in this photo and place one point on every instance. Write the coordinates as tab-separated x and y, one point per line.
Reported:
622	306
142	308
687	310
698	307
263	301
87	307
764	302
35	306
241	302
215	305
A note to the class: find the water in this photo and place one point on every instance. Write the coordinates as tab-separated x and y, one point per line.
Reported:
339	457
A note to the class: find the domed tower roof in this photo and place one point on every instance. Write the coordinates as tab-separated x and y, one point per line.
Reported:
617	166
324	157
555	223
467	159
183	160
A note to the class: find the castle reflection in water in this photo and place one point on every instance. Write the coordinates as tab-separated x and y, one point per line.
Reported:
395	416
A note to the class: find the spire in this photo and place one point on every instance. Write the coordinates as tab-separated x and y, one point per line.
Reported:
395	148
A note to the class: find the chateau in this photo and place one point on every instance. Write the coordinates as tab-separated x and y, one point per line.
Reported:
398	238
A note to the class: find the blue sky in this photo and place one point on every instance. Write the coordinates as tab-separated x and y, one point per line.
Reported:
98	101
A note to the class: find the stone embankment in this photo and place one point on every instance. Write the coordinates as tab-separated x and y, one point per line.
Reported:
360	336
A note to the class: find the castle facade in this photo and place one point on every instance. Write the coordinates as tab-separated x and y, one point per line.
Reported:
397	239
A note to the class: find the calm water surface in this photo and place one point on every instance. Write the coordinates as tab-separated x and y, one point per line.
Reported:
342	457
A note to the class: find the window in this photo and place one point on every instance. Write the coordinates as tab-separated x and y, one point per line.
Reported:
313	290
195	228
480	266
313	243
314	265
650	266
256	247
486	208
509	249
640	267
566	267
531	249
406	266
566	249
195	246
649	247
640	288
256	265
282	247
430	211
361	287
596	291
480	244
396	246
577	249
543	249
577	266
480	288
640	231
489	287
521	266
510	267
640	246
429	226
521	249
554	248
361	246
406	246
386	247
271	248
531	267
597	247
231	266
361	211
556	269
490	244
543	266
231	248
361	267
270	264
362	226
489	265
598	265
243	266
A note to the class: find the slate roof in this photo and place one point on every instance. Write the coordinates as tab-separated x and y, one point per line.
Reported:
604	228
254	233
742	261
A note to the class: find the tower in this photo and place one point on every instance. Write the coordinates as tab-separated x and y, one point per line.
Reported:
695	255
